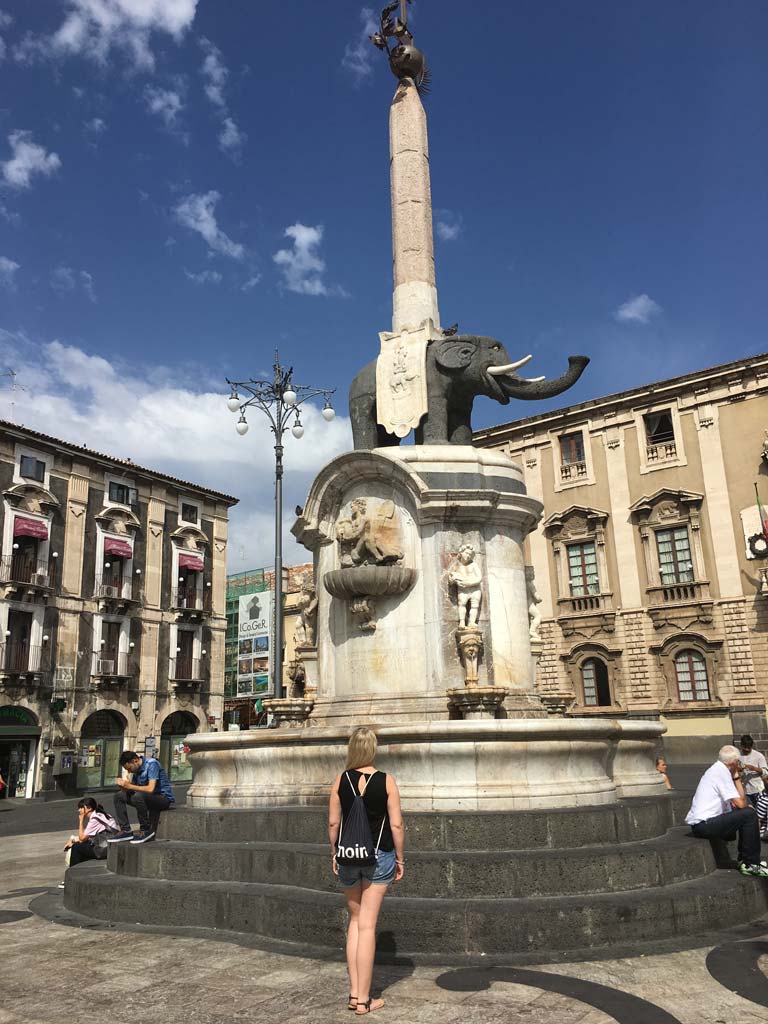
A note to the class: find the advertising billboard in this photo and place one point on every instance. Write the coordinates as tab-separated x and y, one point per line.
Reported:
254	644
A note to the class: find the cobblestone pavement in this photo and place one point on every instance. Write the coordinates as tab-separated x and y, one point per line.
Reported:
52	973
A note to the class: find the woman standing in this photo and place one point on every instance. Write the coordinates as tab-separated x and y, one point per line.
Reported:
365	886
92	819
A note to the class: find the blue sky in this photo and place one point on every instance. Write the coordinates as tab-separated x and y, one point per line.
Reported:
598	174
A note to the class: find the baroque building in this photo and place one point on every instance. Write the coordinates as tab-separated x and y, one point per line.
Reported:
112	613
650	572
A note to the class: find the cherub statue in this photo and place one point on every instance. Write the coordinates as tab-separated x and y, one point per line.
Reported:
467	576
307	605
534	615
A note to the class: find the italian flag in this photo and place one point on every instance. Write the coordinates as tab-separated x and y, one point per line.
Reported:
763	517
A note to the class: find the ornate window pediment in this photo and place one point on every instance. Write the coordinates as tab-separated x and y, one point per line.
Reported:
190	537
669	521
585	602
31	497
594	671
689	663
118	520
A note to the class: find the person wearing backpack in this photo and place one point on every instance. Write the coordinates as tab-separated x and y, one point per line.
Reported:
92	821
365	827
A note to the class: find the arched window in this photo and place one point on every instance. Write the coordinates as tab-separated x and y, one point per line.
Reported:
173	749
594	679
101	741
691	675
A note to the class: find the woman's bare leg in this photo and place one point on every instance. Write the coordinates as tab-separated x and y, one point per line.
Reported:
370	905
352	896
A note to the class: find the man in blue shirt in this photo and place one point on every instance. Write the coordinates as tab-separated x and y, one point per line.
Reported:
149	791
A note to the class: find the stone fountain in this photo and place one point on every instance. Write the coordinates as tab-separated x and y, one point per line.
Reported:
423	622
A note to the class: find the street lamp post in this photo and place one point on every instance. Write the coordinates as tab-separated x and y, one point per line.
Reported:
280	400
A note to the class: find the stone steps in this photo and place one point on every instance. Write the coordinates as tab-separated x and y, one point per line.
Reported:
452	928
628	821
661	861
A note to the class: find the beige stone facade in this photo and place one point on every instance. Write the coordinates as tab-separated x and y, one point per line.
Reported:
653	603
112	613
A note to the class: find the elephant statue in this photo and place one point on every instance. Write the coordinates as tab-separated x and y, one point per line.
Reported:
458	369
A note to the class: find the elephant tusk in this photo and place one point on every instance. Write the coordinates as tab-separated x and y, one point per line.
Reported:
533	380
496	370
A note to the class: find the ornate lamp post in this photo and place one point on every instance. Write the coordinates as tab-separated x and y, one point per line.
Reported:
280	400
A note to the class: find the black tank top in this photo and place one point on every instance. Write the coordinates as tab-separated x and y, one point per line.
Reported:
375	800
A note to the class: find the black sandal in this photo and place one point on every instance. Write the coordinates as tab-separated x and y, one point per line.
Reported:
367	1005
352	999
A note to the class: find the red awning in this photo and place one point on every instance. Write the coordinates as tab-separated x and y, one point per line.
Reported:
23	527
118	546
194	562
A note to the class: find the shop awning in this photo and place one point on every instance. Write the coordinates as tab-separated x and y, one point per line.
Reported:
118	546
193	562
23	527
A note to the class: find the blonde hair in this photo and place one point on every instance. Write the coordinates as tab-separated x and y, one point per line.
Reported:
362	747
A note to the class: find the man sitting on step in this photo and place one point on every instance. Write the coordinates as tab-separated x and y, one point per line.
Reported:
148	790
720	810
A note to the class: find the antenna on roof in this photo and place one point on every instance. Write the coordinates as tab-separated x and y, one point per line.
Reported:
13	387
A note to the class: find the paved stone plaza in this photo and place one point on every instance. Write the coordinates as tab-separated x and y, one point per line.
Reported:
53	973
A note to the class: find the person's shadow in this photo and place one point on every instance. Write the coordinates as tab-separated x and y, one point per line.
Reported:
390	968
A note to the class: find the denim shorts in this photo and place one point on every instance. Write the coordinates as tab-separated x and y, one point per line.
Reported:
380	873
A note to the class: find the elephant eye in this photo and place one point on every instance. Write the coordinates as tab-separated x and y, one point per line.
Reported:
496	348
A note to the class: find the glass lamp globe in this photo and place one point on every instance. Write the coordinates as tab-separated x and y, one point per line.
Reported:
242	426
233	402
297	430
289	397
329	412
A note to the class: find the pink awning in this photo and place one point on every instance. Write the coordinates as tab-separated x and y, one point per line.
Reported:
23	527
194	562
118	546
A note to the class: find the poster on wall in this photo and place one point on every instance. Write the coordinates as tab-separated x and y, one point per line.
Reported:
254	644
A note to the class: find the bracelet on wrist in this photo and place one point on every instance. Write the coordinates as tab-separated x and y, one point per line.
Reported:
399	861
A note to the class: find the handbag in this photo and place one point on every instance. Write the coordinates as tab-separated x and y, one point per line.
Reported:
99	841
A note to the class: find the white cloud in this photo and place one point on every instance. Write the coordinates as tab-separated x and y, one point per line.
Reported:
96	125
5	21
251	283
231	138
142	414
448	225
641	309
196	212
302	265
27	160
164	103
8	270
204	277
65	279
93	28
9	215
358	56
215	73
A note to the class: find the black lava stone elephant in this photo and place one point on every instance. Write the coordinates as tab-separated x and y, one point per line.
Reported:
458	369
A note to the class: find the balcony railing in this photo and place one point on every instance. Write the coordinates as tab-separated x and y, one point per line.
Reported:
573	471
584	603
112	664
661	452
117	588
186	670
191	598
671	593
19	569
19	658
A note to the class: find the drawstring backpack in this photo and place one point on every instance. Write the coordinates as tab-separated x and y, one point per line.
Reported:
355	844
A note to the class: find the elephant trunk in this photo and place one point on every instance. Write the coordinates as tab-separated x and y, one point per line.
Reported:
515	387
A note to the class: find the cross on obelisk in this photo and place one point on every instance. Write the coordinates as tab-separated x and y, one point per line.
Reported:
401	386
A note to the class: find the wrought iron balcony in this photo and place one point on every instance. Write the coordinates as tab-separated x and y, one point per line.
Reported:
191	599
111	587
18	658
186	670
29	571
112	664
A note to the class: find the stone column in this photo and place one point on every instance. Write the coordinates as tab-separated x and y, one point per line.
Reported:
74	530
415	296
153	570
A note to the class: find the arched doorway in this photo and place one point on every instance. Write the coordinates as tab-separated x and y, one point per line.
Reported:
101	741
173	753
19	736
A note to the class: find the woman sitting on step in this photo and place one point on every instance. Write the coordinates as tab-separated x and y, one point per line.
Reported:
365	827
92	819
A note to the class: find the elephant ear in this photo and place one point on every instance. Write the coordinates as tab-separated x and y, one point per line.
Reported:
455	353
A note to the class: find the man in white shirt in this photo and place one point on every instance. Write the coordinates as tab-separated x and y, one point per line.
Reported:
720	810
754	769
